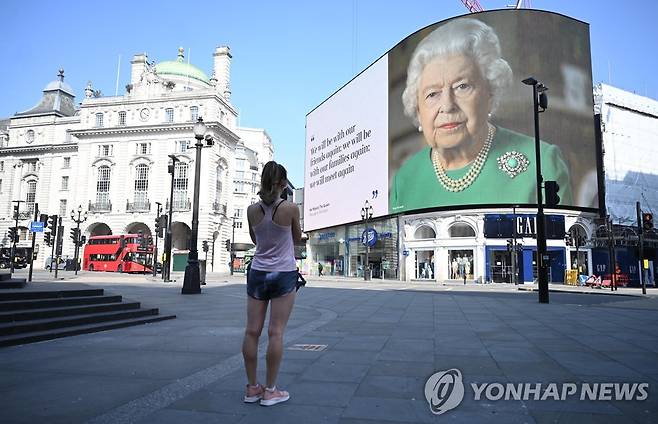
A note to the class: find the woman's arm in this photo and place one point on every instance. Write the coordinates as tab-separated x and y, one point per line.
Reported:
296	227
250	213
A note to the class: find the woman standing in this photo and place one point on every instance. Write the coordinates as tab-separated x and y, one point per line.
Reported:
273	227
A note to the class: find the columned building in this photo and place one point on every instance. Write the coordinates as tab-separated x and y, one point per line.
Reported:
110	155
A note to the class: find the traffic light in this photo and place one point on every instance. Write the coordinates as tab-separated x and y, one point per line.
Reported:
52	223
228	244
160	225
43	218
16	209
83	240
552	188
48	238
205	245
12	235
74	235
647	221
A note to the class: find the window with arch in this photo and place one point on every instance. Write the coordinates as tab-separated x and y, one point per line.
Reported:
424	232
99	120
461	229
122	118
194	113
103	185
169	114
141	184
180	185
31	196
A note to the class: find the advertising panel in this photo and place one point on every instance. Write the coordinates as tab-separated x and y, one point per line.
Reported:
458	120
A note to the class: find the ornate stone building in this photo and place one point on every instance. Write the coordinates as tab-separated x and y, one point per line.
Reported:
110	155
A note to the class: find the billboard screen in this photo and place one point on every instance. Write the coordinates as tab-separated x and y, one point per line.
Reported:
443	120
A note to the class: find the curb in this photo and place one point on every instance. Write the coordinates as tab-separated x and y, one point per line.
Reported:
533	289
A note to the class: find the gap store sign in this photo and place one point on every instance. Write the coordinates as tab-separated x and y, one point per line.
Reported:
505	225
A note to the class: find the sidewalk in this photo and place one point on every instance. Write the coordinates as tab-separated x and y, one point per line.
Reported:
383	340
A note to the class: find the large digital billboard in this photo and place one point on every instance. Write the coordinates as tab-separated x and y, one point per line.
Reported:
443	120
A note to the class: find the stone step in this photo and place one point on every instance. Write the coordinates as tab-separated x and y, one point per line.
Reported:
12	305
43	313
38	336
7	329
47	294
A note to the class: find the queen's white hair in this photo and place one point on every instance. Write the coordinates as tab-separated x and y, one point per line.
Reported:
462	36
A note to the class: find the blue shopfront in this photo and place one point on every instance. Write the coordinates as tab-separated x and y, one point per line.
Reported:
628	265
518	237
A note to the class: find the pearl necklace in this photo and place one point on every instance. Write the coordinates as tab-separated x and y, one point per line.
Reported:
466	180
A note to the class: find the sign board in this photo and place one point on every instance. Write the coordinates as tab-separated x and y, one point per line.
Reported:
369	237
36	226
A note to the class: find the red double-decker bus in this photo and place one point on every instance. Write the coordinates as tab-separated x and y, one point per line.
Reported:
118	253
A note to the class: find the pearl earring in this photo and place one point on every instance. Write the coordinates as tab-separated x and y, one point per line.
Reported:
420	129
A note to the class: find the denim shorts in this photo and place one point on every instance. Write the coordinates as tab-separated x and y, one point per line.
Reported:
265	285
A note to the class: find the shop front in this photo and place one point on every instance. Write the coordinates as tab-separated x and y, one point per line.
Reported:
341	250
519	238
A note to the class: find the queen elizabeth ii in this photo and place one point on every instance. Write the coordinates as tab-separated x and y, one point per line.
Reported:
455	80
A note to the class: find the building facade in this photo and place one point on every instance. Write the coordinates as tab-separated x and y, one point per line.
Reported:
110	155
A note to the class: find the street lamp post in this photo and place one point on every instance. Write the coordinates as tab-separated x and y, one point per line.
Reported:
166	266
192	280
77	221
514	258
232	243
366	214
13	242
540	100
155	248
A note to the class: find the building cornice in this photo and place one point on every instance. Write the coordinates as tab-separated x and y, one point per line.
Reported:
124	101
40	148
157	128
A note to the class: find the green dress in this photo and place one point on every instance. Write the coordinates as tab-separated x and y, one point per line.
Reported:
416	186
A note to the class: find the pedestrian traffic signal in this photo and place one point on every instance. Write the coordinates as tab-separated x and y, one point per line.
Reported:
16	209
48	238
12	235
552	189
647	221
228	244
52	223
205	245
43	218
83	240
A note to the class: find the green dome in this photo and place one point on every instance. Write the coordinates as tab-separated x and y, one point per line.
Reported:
180	68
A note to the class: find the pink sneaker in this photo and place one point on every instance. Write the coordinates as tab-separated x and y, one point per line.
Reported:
253	393
273	396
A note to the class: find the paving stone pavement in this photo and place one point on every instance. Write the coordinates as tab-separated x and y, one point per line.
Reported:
384	340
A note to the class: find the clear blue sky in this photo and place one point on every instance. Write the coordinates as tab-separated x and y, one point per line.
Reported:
288	56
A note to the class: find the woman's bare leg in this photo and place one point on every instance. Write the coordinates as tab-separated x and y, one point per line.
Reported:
256	310
279	314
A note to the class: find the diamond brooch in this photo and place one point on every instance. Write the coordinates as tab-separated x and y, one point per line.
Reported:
513	163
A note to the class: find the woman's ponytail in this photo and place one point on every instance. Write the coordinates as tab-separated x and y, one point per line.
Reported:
273	176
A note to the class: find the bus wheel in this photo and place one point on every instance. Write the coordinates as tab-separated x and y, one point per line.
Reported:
91	268
120	269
